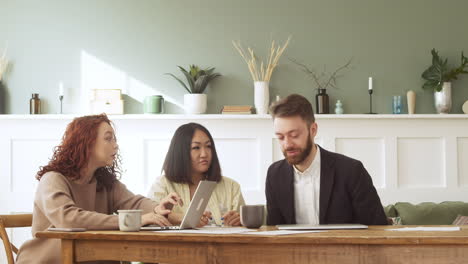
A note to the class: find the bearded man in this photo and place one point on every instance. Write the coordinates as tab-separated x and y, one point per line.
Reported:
312	185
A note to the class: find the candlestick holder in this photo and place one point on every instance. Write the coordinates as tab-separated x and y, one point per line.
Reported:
61	101
370	102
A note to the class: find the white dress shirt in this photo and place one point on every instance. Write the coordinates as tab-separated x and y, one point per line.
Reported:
307	192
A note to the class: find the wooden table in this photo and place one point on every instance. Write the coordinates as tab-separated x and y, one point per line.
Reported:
375	245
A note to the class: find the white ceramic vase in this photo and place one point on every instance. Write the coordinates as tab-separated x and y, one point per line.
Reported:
195	103
411	100
262	97
443	99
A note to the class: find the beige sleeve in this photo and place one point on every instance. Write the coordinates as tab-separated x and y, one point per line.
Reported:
54	199
159	189
237	198
125	199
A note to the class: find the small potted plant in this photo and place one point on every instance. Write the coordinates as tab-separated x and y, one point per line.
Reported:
197	81
322	80
438	78
261	74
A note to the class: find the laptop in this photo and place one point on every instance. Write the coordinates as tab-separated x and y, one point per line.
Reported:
321	227
195	210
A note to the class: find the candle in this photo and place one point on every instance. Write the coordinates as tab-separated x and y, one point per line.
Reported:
60	89
370	83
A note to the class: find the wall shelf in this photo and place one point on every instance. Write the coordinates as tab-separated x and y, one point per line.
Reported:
236	117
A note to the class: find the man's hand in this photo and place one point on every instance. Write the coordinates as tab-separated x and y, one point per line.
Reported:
166	204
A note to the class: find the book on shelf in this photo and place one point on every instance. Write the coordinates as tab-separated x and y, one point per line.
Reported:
237	109
236	113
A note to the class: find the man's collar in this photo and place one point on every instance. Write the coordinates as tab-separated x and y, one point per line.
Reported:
316	160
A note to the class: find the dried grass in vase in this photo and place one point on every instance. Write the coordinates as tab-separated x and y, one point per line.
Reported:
3	64
264	72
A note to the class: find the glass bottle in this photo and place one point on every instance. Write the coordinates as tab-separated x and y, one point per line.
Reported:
35	104
321	102
396	104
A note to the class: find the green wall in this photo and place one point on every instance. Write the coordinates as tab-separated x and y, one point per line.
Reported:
388	40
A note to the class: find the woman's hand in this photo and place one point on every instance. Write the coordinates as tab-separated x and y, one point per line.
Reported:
166	204
154	219
205	219
231	218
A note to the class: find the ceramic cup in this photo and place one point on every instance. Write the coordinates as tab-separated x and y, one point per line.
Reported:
153	104
129	220
252	215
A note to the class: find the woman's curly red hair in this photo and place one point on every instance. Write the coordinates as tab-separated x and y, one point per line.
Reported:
75	150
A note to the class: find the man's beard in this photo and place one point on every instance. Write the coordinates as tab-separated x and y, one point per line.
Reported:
304	153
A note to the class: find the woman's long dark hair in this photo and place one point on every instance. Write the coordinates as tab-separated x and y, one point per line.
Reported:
178	164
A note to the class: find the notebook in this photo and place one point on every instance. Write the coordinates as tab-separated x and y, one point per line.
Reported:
321	227
195	210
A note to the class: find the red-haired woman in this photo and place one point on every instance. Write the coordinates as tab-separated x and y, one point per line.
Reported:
80	188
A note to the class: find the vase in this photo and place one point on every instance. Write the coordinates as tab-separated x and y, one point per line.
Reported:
35	104
465	107
443	99
339	107
195	103
2	98
322	102
411	100
261	97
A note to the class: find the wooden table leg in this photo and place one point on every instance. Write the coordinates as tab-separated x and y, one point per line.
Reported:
67	251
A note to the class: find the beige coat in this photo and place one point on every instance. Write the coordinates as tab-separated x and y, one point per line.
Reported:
226	196
60	202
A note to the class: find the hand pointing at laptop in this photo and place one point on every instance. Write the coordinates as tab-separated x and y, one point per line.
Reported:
160	212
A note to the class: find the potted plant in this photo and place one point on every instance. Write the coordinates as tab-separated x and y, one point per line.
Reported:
261	74
438	79
322	80
197	81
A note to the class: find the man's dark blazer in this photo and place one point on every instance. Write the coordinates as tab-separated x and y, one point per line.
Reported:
347	194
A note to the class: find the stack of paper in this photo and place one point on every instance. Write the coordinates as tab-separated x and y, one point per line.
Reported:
426	228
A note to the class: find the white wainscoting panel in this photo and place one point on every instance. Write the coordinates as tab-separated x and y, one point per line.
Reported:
154	155
421	162
37	152
370	151
462	155
239	159
277	153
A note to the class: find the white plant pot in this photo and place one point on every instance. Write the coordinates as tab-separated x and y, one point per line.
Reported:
262	97
443	99
195	103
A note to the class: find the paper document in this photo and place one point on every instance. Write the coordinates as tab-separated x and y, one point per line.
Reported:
427	228
210	230
280	232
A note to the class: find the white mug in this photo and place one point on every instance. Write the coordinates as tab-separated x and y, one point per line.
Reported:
129	220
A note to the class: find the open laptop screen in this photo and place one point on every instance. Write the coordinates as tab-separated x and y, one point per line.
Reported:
196	207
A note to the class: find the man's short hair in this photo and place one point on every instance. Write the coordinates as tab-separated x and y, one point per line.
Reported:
293	105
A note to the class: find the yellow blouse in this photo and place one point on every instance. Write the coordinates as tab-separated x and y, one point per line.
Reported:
226	196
